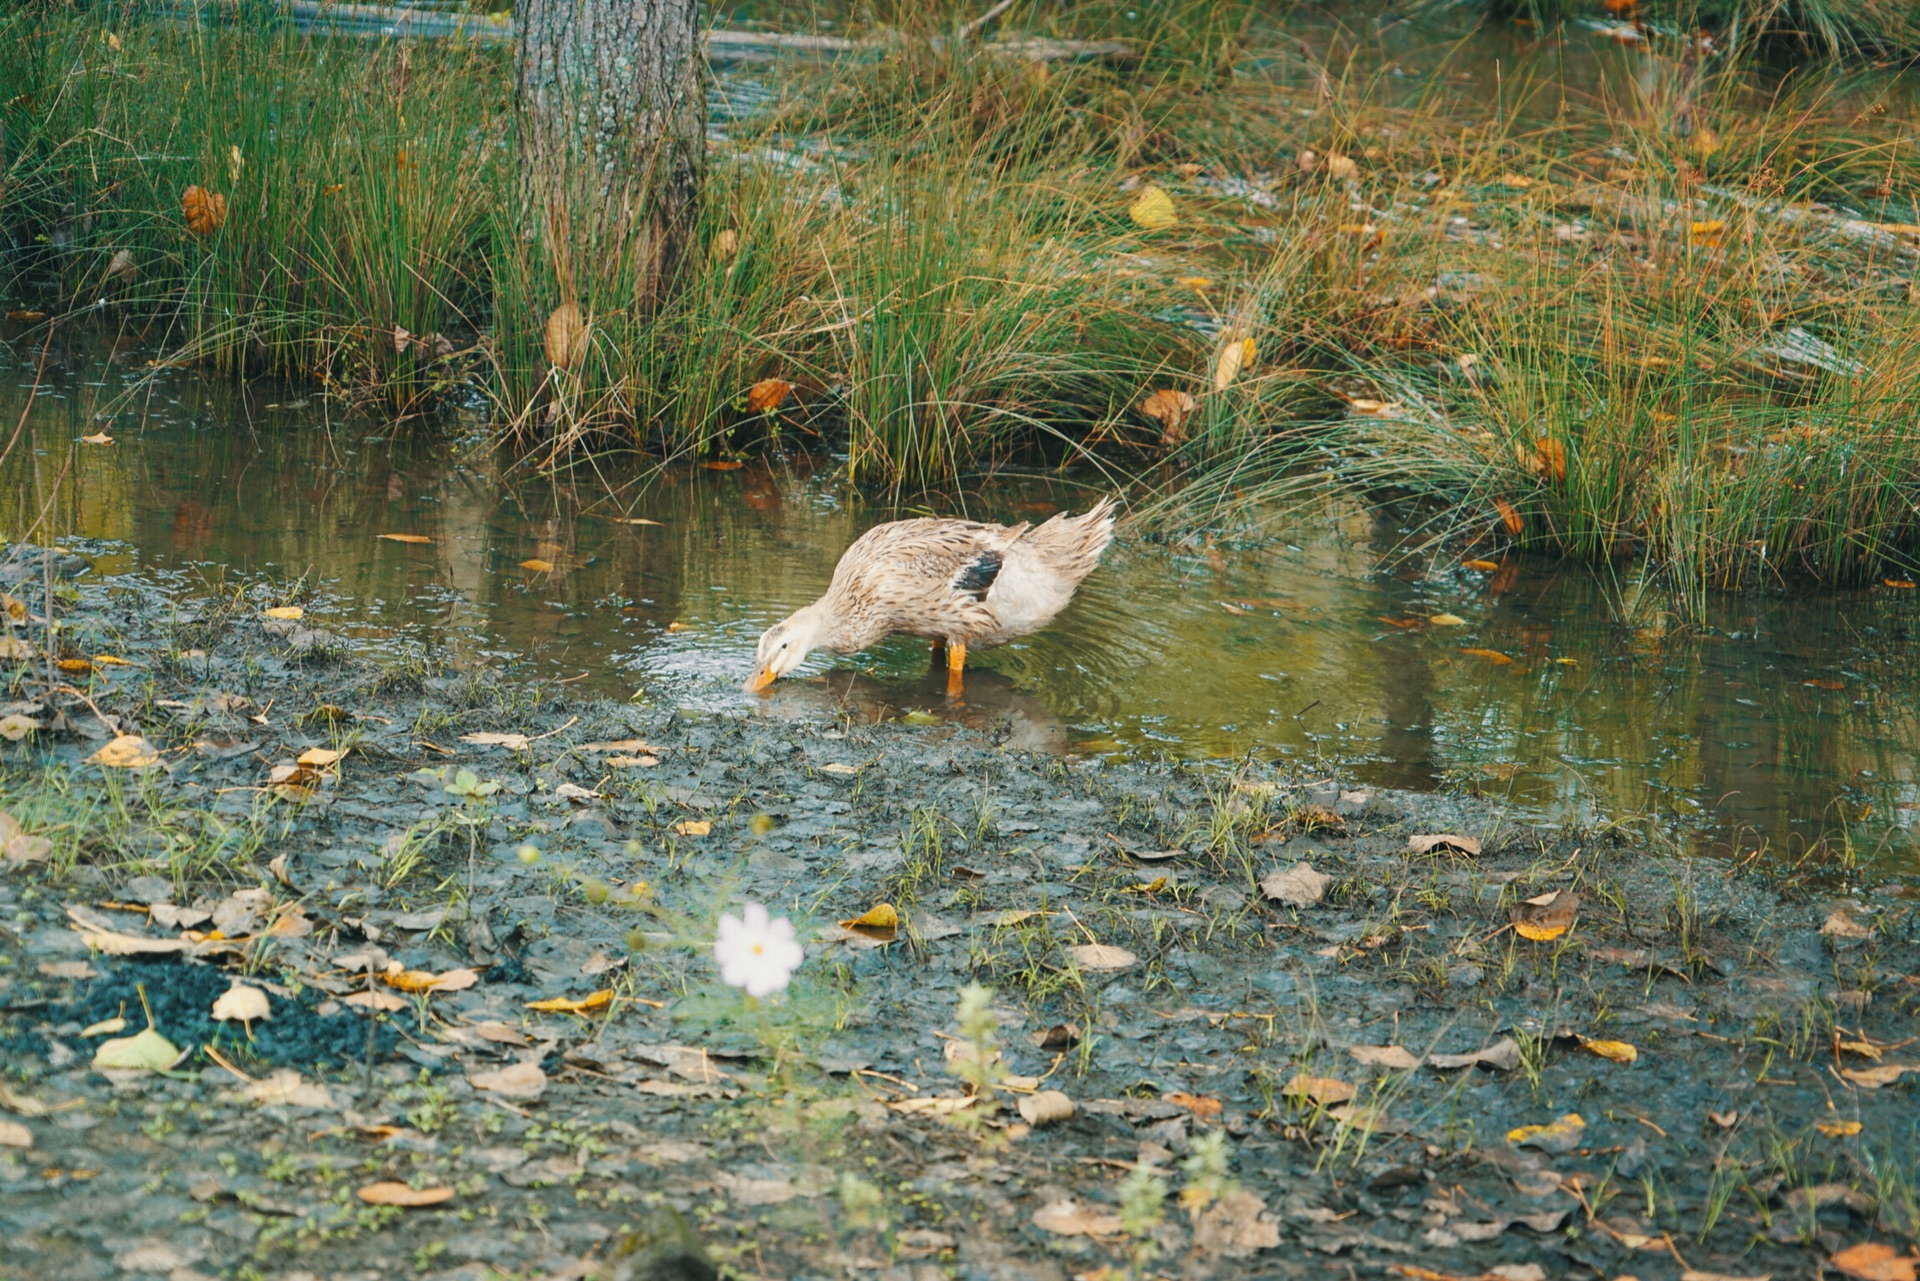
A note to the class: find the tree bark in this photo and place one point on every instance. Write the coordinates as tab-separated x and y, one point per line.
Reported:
612	122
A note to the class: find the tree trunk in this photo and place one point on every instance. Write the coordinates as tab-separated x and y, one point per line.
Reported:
612	121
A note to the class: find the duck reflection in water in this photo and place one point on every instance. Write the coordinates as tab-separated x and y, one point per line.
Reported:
993	705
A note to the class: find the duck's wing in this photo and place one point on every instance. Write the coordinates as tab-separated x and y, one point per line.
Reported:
932	577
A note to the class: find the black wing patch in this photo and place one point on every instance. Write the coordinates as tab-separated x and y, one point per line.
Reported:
976	579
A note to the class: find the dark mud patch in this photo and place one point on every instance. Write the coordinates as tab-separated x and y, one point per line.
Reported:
1343	1084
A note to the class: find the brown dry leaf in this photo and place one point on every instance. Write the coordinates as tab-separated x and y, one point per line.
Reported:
1235	1226
1321	1091
768	395
694	827
1431	841
1048	1107
126	751
1152	209
1202	1107
838	767
1101	956
566	337
15	1135
14	649
1509	516
287	1087
241	1003
406	538
537	565
1169	407
725	241
1396	1057
1234	357
1615	1051
567	1005
320	757
1874	1261
379	1002
1484	566
114	943
1502	1056
1550	458
1559	1136
1493	656
1546	916
934	1105
1840	924
1071	1219
205	210
491	738
515	1081
1296	886
640	745
122	265
388	1192
1837	1129
1872	1078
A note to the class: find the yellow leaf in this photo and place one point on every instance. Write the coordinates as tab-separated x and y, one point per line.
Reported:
1556	1136
146	1051
320	757
1874	1261
286	613
1485	566
388	1192
1233	358
537	565
1547	916
566	1005
1493	656
1617	1051
879	917
425	981
1447	620
1838	1129
98	438
1194	282
406	538
127	751
74	666
1152	209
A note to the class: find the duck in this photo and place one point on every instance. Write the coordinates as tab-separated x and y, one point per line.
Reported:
961	584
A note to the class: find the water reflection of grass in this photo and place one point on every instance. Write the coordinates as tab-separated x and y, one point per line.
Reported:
1632	332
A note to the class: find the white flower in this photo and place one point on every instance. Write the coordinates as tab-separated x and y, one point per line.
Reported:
758	953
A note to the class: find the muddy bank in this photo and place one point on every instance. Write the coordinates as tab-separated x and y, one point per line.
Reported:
1290	1040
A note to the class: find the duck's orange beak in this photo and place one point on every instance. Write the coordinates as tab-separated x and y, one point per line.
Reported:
761	678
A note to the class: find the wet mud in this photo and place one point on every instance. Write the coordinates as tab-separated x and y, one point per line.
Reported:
1294	1037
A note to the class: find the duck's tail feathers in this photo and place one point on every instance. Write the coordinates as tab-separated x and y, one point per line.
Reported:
1072	544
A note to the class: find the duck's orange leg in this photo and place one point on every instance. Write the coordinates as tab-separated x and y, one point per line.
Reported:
939	650
956	661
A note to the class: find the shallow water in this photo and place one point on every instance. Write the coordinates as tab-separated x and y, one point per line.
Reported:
1782	719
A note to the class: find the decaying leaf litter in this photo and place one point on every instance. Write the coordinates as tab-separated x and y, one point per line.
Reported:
450	1001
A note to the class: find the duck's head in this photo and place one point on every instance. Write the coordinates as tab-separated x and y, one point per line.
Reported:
786	644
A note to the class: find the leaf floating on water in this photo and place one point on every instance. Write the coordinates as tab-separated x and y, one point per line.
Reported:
285	613
723	464
98	438
1427	843
1615	1051
1559	1136
1874	1261
1904	584
406	538
126	751
1447	620
1101	956
388	1192
1202	1107
320	757
1546	916
1484	566
838	767
567	1005
1296	886
1152	210
146	1051
1493	656
1838	1129
634	520
537	565
494	738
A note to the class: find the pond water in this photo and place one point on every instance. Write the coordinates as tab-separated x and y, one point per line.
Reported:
1781	721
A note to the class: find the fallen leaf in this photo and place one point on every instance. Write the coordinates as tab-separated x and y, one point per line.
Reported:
1549	458
566	337
1872	1078
1838	1129
205	210
1546	916
1447	620
515	1081
285	613
122	266
492	738
1503	1055
126	751
388	1192
320	757
1493	656
1509	516
1202	1107
14	649
406	538
1071	1219
566	1005
880	921
1874	1261
1152	209
1616	1051
146	1051
105	1027
1429	842
241	1003
1321	1091
1341	167
1396	1057
287	1088
1233	357
1484	566
768	395
575	792
723	464
1296	886
1841	924
114	943
15	1135
379	1002
98	438
632	762
1904	584
1560	1136
1048	1107
1101	956
405	980
836	767
934	1105
1169	407
537	565
694	827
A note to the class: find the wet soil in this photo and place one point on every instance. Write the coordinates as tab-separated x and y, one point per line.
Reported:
1371	1041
